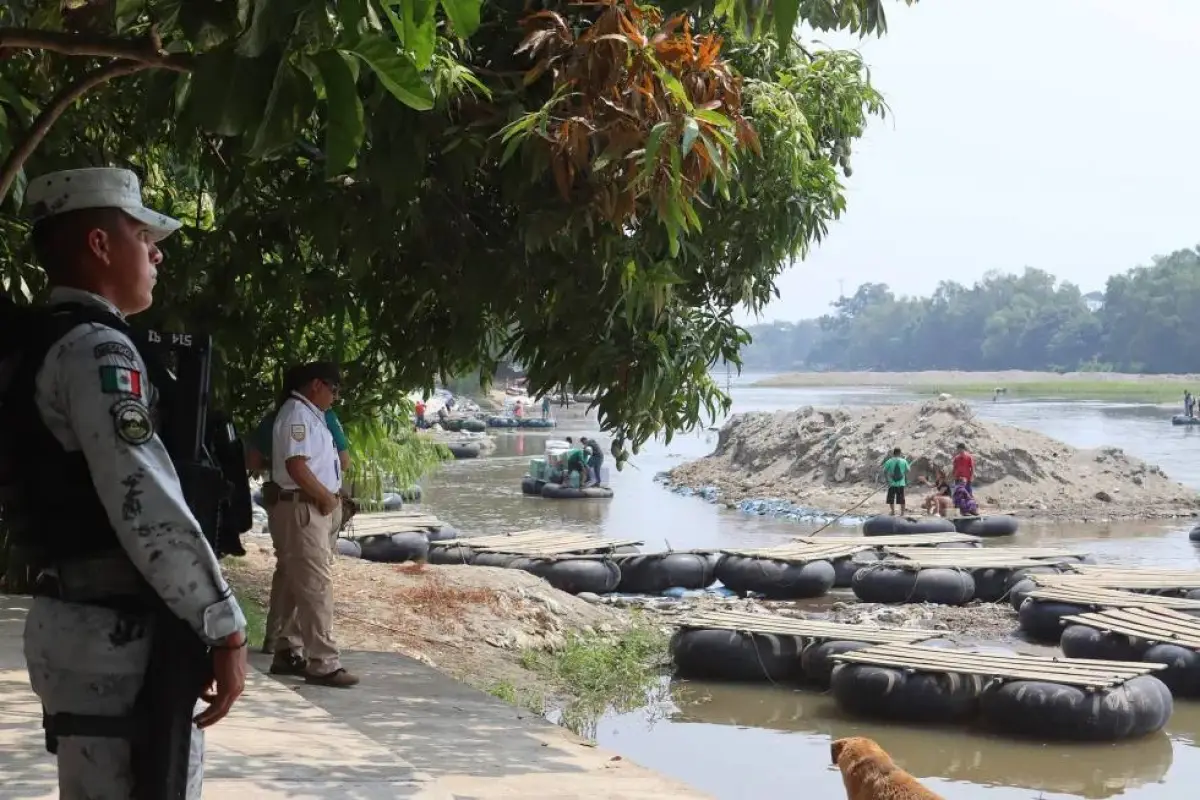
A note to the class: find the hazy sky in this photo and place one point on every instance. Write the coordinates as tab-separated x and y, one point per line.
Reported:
1058	134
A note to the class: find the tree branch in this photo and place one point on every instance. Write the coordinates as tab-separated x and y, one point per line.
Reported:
53	110
147	50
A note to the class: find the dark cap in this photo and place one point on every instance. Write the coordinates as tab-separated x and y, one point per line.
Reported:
326	371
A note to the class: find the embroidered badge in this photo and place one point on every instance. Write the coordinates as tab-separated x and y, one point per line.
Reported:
120	380
132	422
106	349
299	432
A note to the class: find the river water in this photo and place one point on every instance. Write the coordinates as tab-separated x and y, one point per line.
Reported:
750	741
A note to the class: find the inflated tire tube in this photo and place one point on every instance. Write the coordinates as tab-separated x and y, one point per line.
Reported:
1056	711
461	451
535	422
395	548
776	580
817	659
443	533
473	425
556	491
412	494
1084	641
735	656
575	575
1003	525
844	569
494	559
392	501
873	691
880	583
1182	675
454	554
532	486
995	584
656	572
349	548
1193	534
1184	419
887	525
1022	584
1042	619
256	497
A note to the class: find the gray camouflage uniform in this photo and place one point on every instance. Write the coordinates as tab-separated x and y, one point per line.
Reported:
87	659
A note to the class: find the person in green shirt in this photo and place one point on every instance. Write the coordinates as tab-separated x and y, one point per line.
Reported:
895	470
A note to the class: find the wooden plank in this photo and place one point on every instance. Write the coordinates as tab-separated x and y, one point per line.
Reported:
1076	672
1108	598
806	628
1133	577
903	540
963	558
800	553
1155	625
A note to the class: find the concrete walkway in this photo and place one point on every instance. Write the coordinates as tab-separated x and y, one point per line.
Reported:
407	731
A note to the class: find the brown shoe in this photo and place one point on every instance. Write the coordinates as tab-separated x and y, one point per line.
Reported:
339	678
287	664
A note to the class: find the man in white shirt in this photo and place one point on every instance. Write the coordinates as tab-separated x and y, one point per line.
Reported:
304	462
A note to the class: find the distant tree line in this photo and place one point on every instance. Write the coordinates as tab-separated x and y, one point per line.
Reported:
1145	321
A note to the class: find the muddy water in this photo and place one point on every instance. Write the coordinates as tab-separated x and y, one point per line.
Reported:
748	741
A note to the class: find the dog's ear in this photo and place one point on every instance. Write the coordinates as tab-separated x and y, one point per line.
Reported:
835	749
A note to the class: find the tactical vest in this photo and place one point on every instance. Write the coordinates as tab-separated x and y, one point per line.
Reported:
51	508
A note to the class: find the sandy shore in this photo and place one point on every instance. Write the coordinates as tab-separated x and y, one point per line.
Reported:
955	377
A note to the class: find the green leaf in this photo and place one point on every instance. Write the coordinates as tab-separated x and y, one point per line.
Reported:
344	126
463	15
288	106
416	26
21	106
395	71
713	117
227	94
691	129
672	85
653	142
786	14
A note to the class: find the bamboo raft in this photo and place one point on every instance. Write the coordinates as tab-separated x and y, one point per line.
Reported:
1100	597
1151	624
974	558
901	540
803	553
1117	577
538	543
392	522
804	628
1081	672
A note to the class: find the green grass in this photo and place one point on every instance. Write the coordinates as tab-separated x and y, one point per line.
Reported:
1148	391
253	604
595	672
531	699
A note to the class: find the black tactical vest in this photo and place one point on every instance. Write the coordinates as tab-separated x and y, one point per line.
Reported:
51	508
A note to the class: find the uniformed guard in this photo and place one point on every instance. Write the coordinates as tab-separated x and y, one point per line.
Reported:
304	462
113	529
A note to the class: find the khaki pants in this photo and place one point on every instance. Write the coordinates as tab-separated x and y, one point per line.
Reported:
302	587
273	641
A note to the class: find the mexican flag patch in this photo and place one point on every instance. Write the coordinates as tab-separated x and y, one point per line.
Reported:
120	380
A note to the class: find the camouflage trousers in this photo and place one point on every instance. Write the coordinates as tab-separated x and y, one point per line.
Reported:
85	659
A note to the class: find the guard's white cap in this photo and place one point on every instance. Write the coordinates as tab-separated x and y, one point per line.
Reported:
102	187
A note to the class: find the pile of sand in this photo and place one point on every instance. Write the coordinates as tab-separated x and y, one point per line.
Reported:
832	458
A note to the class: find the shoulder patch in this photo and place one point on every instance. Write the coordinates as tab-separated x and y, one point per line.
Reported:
132	422
299	432
120	380
107	349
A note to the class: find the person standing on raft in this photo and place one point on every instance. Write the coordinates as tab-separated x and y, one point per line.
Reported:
964	467
895	469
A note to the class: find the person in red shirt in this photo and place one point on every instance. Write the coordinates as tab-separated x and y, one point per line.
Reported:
420	409
964	467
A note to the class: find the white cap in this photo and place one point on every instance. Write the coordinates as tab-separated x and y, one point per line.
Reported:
103	187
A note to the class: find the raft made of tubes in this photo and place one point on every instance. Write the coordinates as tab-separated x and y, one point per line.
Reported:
1150	580
1184	419
789	572
1194	534
1042	611
887	525
993	570
1152	635
1044	697
655	573
557	491
996	525
738	646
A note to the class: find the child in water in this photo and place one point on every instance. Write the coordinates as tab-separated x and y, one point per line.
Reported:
963	501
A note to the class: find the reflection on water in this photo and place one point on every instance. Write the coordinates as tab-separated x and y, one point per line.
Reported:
755	741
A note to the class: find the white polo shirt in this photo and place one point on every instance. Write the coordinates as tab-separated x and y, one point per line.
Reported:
300	430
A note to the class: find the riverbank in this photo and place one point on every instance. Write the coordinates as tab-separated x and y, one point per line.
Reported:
1112	386
831	459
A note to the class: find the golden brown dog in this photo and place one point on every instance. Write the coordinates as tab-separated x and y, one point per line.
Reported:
870	774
